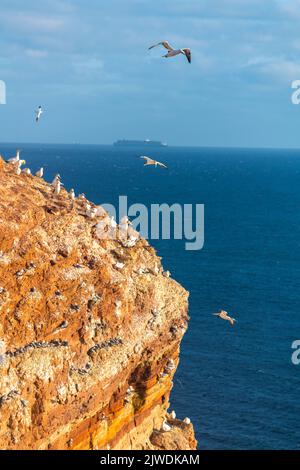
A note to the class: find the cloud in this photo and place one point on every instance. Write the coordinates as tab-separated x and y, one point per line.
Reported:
36	53
32	22
275	68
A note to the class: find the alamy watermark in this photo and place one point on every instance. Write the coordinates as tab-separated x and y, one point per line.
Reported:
296	354
159	221
2	92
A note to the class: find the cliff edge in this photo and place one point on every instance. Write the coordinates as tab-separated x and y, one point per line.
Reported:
90	329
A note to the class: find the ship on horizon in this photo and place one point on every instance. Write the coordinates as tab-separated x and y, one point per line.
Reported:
139	143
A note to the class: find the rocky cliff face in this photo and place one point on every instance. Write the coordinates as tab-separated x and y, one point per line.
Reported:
90	329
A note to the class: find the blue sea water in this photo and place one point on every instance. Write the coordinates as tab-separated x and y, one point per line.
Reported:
238	385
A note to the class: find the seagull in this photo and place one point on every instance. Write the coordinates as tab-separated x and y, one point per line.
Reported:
224	315
72	194
18	167
173	52
16	158
173	415
40	173
56	178
166	427
91	212
57	187
26	171
187	421
38	113
113	223
149	161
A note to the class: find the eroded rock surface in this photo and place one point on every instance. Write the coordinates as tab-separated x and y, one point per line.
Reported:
90	329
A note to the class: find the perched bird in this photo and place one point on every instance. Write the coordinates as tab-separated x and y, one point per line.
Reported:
57	187
38	113
91	212
18	166
40	173
166	427
125	221
173	52
149	161
113	223
119	265
173	415
72	194
26	171
56	178
16	158
187	421
224	315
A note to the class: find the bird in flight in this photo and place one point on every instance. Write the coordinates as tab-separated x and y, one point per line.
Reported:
38	113
149	161
224	315
173	52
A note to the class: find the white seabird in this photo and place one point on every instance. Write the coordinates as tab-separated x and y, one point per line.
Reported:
119	265
18	166
38	113
26	171
16	158
173	52
40	173
150	161
91	212
56	178
166	427
57	187
224	316
113	224
187	421
72	194
173	415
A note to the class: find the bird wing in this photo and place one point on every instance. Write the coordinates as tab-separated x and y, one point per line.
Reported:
148	160
162	164
165	44
188	54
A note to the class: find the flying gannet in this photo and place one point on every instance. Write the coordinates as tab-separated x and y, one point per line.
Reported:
38	114
224	315
173	52
149	161
40	173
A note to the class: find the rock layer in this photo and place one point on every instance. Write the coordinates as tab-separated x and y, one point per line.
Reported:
90	329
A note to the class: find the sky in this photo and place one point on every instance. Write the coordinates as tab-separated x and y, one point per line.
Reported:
87	63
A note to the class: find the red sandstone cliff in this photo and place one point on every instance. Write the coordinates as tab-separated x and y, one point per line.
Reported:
88	350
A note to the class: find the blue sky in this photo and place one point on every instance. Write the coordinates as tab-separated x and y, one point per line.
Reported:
87	63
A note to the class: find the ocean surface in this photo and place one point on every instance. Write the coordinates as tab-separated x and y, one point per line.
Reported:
237	384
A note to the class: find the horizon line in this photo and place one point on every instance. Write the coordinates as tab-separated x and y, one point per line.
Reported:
167	146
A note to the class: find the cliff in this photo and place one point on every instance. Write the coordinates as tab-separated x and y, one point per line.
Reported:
90	329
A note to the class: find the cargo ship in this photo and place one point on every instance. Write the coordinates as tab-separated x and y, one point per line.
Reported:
139	143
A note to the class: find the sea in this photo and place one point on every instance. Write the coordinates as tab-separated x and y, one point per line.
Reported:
237	384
